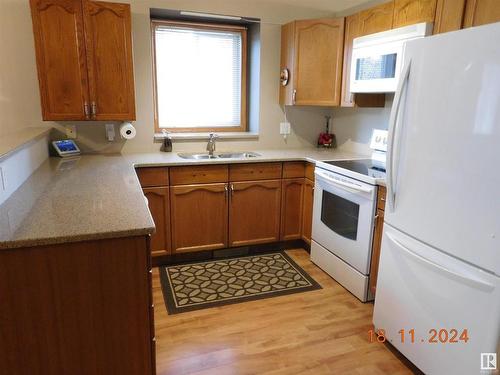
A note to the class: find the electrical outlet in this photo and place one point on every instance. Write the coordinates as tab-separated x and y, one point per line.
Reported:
285	128
71	131
110	132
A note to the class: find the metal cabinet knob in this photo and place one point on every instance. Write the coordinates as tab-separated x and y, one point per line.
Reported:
93	109
86	110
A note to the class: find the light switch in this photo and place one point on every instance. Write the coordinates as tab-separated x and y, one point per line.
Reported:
285	128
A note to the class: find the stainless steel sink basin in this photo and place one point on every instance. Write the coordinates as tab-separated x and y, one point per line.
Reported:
218	155
237	155
197	156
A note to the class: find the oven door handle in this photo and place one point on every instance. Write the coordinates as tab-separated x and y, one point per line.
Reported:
355	187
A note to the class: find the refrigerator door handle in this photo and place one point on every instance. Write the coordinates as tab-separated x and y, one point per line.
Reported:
475	283
393	120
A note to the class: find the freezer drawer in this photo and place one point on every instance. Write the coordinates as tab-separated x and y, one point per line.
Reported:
423	289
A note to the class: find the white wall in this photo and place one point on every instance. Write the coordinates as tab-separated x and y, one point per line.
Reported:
353	126
19	95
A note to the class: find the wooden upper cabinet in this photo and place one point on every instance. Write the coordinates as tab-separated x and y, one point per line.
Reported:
84	59
199	217
287	62
449	15
409	12
109	58
60	57
319	45
254	212
376	19
349	99
312	53
159	206
481	12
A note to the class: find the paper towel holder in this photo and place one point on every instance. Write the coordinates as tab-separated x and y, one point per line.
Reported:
127	130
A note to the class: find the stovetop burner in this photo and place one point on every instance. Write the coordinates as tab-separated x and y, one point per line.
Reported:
364	166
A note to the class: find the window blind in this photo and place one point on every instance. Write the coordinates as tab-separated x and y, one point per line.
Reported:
198	77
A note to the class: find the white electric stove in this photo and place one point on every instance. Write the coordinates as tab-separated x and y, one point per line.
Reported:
345	200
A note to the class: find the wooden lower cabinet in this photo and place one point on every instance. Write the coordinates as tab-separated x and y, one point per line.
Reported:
159	206
77	308
254	212
377	243
292	191
199	217
307	210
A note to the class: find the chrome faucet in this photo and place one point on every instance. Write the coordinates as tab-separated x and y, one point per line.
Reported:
166	145
211	144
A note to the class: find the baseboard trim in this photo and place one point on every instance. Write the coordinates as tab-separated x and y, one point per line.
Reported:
165	260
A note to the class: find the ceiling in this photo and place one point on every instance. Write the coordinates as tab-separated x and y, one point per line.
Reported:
333	6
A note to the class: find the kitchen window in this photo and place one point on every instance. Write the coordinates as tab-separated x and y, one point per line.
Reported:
199	77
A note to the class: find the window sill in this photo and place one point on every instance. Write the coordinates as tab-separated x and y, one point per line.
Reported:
158	137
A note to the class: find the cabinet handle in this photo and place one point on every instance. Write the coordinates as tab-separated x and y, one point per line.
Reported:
93	109
382	199
232	189
226	191
86	110
294	96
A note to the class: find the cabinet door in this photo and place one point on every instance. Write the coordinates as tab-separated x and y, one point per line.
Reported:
377	243
199	217
287	62
349	99
60	58
449	15
481	12
376	19
254	212
409	12
159	206
318	62
307	210
292	191
109	57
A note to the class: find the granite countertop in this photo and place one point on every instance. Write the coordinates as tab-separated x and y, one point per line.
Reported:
99	196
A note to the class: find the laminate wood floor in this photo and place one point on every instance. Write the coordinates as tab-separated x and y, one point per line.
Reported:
317	332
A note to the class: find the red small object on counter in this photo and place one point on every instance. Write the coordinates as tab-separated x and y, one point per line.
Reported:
327	139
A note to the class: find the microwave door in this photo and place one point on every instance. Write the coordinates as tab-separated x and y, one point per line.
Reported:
376	68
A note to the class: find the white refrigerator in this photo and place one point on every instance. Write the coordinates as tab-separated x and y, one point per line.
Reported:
438	290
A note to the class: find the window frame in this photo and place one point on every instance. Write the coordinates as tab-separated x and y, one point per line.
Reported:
243	127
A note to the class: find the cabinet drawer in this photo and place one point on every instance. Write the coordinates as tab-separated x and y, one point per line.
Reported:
310	171
153	176
254	171
198	174
294	169
381	196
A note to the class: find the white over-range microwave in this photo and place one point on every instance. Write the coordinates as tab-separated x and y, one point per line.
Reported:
377	58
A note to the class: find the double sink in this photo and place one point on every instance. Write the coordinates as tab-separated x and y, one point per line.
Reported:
218	155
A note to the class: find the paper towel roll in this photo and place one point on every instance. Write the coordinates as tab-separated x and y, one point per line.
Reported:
127	130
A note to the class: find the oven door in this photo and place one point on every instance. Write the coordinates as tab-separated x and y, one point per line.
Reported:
343	217
376	68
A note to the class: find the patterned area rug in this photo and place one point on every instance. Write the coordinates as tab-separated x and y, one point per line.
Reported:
201	285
